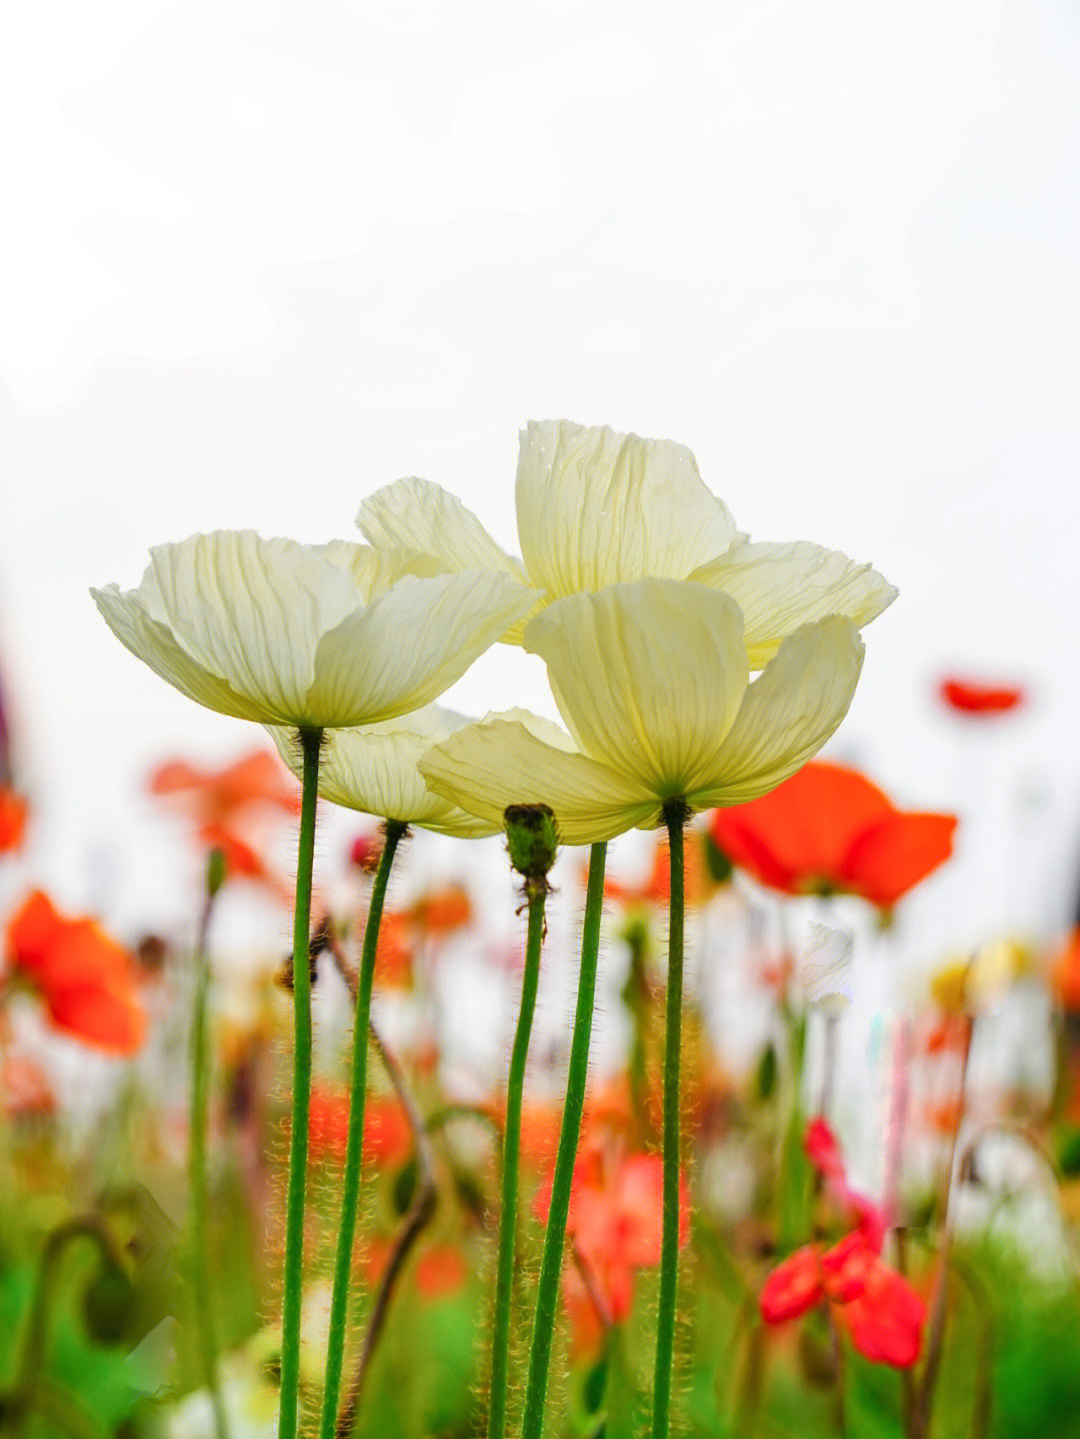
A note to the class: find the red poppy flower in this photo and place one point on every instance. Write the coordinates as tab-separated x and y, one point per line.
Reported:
969	697
13	812
876	1305
87	979
441	1271
828	830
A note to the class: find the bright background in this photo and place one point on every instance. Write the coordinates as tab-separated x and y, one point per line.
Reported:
259	259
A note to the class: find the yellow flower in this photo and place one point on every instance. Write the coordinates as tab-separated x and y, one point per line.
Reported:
653	681
374	770
595	508
309	636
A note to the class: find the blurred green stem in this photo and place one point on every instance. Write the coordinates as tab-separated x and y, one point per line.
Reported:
293	1280
675	815
354	1144
197	1177
551	1264
500	1342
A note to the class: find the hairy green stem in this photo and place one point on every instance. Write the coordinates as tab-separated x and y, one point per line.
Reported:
197	1178
500	1339
675	815
354	1144
551	1264
293	1280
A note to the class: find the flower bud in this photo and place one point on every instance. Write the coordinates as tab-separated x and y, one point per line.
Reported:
533	838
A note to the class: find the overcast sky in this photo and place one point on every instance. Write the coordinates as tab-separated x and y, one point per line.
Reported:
260	259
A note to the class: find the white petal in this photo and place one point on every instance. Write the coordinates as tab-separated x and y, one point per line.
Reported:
416	514
780	587
153	642
648	676
788	712
252	611
526	760
595	508
410	644
374	770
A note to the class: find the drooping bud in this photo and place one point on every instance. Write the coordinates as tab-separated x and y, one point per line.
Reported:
532	838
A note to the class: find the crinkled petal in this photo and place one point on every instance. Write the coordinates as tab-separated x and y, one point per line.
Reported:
155	644
253	611
374	770
648	677
595	508
782	586
409	645
418	515
522	759
788	712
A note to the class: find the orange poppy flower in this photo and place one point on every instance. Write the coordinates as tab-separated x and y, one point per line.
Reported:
87	979
828	830
214	796
13	813
441	1271
1065	972
387	1136
25	1089
442	911
969	697
656	887
615	1218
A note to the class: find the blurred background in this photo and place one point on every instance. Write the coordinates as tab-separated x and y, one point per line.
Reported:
261	259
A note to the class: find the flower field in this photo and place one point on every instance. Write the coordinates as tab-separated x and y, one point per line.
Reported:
535	1138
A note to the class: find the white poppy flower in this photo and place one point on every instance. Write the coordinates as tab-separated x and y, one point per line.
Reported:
373	770
653	682
309	636
595	508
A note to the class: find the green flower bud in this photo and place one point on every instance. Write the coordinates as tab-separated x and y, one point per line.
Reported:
533	838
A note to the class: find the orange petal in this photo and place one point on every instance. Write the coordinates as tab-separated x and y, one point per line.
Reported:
13	813
970	697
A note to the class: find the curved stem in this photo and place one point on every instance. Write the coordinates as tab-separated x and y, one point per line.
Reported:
354	1144
197	1178
292	1283
675	815
500	1340
551	1264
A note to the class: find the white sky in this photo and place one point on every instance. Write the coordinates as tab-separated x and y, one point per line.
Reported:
259	259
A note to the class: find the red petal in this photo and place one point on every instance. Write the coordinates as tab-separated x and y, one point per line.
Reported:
799	834
971	698
793	1287
892	855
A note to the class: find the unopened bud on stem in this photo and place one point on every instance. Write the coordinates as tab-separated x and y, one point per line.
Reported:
532	838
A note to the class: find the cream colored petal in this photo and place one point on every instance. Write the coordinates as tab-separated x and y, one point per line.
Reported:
153	642
418	515
526	760
648	676
374	770
376	571
253	611
780	587
409	645
788	712
595	508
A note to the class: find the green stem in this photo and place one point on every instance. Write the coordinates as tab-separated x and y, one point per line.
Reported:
197	1178
551	1264
354	1144
292	1284
675	815
500	1341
